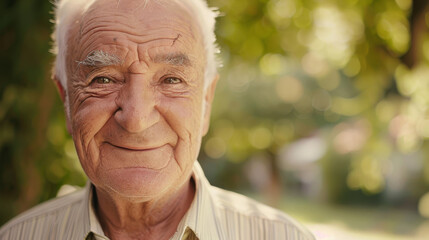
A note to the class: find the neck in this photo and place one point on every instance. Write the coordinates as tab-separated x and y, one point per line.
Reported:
154	219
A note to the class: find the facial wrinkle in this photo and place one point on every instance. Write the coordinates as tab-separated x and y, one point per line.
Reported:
174	40
90	22
145	48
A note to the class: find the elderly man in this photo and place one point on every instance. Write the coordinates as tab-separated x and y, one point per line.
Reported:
137	79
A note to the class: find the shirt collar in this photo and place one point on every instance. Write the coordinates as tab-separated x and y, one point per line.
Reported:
94	224
201	217
86	206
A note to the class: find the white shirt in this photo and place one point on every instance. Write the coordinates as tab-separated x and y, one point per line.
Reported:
214	214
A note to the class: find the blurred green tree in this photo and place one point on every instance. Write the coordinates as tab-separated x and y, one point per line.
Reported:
33	141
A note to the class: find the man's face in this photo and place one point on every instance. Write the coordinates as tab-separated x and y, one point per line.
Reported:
136	90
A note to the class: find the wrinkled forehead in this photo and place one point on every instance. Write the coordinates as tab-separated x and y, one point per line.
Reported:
140	9
138	16
135	20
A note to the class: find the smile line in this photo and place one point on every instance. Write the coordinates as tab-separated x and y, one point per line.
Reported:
135	149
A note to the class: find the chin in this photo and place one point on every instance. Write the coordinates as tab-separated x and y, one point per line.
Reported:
139	183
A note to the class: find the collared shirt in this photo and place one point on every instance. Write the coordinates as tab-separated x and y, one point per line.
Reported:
214	214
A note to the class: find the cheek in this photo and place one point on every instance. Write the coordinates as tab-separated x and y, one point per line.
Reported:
184	117
87	120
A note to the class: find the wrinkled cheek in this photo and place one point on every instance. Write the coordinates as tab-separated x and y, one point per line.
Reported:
86	150
87	122
189	138
187	147
83	133
183	115
88	153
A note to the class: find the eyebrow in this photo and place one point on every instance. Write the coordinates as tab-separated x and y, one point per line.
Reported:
177	59
99	59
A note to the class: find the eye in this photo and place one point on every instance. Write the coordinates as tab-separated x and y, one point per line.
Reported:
172	80
101	80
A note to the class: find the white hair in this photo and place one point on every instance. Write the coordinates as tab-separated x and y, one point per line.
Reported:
67	12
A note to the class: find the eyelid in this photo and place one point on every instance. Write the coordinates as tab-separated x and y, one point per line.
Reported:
101	77
174	74
103	72
171	77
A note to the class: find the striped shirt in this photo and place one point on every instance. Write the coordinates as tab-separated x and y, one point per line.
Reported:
214	214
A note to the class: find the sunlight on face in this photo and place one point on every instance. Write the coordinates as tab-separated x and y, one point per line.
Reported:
137	97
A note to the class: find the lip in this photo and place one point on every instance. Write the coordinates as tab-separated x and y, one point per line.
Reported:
134	156
135	148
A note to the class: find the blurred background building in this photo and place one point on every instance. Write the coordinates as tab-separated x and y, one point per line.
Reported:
322	110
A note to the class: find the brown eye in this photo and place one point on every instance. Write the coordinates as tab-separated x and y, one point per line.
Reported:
102	80
172	80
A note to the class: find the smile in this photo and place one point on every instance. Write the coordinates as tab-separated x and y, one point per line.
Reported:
136	148
132	156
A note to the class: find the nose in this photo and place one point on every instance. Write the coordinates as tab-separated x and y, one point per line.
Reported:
137	106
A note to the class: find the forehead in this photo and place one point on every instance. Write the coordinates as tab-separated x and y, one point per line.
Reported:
129	27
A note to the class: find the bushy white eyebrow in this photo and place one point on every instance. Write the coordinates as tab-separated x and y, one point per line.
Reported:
177	59
99	58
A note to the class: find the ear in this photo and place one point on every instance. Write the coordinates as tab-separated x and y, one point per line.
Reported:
63	93
60	88
208	100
